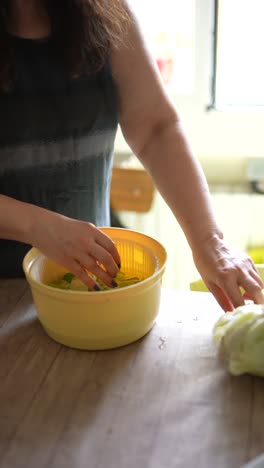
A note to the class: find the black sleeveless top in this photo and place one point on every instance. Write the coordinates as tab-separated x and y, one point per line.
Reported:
56	141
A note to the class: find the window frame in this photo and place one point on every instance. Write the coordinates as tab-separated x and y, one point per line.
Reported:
225	133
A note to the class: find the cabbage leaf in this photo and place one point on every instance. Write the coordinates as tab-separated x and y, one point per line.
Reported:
241	337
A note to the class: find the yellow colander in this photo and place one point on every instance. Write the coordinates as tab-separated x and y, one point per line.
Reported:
103	319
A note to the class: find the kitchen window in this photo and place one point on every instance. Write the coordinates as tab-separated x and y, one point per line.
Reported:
238	61
169	27
221	110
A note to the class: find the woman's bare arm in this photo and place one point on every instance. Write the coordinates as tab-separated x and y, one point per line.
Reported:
153	130
75	244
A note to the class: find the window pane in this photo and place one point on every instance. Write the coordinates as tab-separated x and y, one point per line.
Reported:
169	26
239	58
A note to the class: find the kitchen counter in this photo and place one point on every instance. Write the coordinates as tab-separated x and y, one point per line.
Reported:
166	401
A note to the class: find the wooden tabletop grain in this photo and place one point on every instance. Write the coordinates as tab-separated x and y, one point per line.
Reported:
166	401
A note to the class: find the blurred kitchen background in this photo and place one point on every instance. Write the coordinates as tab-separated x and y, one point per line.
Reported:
210	55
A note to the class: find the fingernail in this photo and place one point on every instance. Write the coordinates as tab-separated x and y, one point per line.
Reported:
114	283
97	288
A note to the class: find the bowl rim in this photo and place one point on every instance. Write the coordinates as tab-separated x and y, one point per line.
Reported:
61	292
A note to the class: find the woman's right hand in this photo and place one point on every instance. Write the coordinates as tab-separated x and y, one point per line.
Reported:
77	245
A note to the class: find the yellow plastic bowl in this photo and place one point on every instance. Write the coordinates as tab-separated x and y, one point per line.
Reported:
103	319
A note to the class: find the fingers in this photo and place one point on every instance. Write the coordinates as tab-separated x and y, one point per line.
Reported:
91	265
99	255
227	271
90	253
109	246
95	253
103	257
81	273
232	291
257	278
223	300
253	287
79	246
228	293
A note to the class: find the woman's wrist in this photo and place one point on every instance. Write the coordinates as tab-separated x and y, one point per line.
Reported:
26	231
207	239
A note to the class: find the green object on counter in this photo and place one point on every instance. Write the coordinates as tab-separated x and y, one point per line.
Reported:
198	285
257	254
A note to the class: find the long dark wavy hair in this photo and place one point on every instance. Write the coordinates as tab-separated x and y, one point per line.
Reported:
83	32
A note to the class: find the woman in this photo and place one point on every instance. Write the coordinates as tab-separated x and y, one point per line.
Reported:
68	75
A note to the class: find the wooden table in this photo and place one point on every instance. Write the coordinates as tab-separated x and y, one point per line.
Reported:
166	401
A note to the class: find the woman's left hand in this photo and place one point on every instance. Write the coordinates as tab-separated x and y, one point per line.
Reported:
225	270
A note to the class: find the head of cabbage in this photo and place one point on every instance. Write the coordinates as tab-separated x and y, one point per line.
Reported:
241	334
